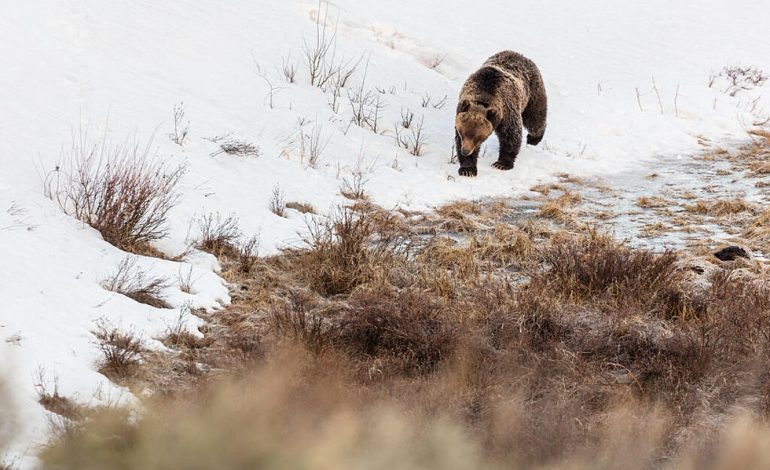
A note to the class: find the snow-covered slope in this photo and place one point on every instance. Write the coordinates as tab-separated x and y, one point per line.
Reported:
627	82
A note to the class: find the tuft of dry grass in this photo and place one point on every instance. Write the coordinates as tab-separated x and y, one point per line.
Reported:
132	282
504	247
758	231
654	230
301	207
545	189
557	209
649	202
760	168
721	207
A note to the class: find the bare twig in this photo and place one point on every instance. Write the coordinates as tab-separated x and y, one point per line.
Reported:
180	128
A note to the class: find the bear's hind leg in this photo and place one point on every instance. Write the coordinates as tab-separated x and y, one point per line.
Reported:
534	117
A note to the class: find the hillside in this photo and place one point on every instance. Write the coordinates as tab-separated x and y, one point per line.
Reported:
631	89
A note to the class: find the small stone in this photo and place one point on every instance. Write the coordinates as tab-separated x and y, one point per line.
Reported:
730	253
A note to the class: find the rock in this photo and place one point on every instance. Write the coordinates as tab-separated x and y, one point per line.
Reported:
730	253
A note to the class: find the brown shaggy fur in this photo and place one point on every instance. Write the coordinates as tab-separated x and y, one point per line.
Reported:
504	95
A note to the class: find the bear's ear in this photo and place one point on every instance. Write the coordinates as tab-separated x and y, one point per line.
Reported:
493	117
463	106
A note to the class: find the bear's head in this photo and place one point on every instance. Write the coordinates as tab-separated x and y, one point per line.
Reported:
474	123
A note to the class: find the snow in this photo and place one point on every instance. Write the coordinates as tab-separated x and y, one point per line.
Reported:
119	68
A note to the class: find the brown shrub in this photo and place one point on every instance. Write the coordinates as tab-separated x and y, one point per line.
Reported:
296	320
217	235
121	352
117	189
410	329
596	265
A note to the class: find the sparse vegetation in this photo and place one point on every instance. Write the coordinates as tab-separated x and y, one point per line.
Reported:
120	190
414	140
721	207
185	280
738	78
312	145
181	128
121	352
218	235
278	202
50	398
558	349
320	54
651	202
434	62
557	208
233	146
301	207
289	69
134	283
427	100
366	106
248	252
353	185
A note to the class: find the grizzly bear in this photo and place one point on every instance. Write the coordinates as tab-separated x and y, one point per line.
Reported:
506	93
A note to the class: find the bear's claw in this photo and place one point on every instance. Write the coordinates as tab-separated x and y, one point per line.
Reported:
467	171
502	165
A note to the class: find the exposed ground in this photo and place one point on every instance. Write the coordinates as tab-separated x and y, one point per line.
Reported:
586	325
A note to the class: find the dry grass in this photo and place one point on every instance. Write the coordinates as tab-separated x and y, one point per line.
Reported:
345	251
654	230
558	208
504	247
721	207
132	282
757	231
371	346
232	146
760	168
545	189
120	190
53	401
649	202
301	207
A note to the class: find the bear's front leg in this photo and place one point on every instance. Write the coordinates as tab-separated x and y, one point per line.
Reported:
467	164
509	136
